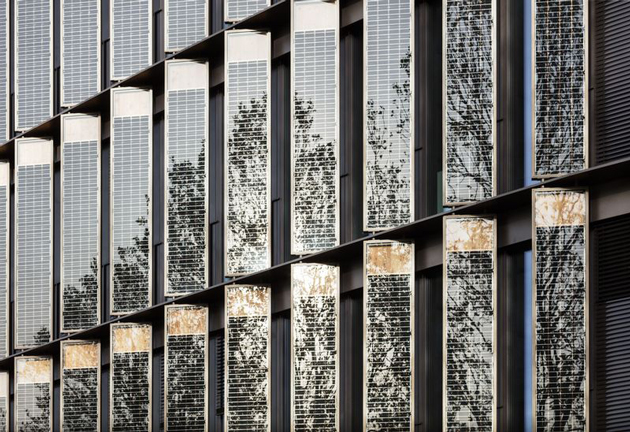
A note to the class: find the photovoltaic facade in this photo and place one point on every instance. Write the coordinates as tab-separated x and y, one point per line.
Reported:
186	23
236	10
5	99
33	393
5	253
80	386
131	46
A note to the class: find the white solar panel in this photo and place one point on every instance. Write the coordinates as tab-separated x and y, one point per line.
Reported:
186	179
186	22
559	70
469	107
4	401
469	344
33	392
80	386
130	34
131	195
33	242
315	345
247	152
560	305
248	358
186	368
4	71
388	319
315	127
236	10
80	50
33	63
80	221
388	114
5	193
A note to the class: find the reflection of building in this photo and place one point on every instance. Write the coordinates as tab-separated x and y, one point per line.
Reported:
157	222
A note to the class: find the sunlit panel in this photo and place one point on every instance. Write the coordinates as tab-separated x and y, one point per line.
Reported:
469	106
130	34
315	126
130	199
34	242
315	345
186	22
186	368
388	114
5	239
33	392
559	68
4	401
388	335
469	292
80	386
130	378
236	10
4	71
247	152
560	303
248	358
186	237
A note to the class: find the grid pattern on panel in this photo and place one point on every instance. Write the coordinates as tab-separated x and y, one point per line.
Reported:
34	260
469	101
4	71
131	170
130	391
186	23
4	262
4	414
32	412
388	114
34	68
469	340
248	213
239	9
81	45
186	194
80	399
560	69
81	198
315	172
131	49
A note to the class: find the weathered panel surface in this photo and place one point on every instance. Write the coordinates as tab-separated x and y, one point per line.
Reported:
131	44
33	394
4	401
80	386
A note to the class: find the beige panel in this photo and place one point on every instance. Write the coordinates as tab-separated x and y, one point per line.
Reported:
131	338
247	45
80	127
186	320
33	370
557	207
34	151
315	15
4	384
388	257
469	234
5	173
186	74
80	355
314	280
247	300
131	102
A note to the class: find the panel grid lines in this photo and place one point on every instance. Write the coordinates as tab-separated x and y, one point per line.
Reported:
4	276
130	41
32	410
4	71
237	10
81	399
131	408
186	23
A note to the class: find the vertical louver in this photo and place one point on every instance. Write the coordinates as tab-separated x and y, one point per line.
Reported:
248	358
80	221
5	193
33	394
4	401
4	70
80	50
469	88
130	33
33	62
469	345
186	22
186	368
559	70
388	319
131	185
33	242
80	386
315	126
130	378
560	242
315	344
388	114
186	237
247	152
236	10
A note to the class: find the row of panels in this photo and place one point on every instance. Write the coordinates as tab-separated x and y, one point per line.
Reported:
469	343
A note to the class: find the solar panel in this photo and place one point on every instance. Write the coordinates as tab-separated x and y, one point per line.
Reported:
131	194
4	71
33	63
33	394
5	193
315	345
4	401
236	10
469	107
130	33
186	210
186	22
248	358
186	379
469	292
80	386
33	242
130	378
388	114
559	68
248	152
80	50
388	336
560	264
315	127
80	221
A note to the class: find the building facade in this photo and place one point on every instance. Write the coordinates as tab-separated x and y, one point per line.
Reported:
314	215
